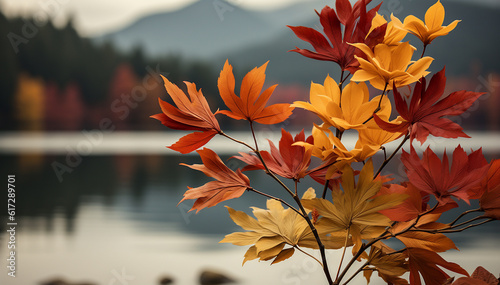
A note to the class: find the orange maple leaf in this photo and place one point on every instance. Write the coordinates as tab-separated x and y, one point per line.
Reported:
251	105
229	184
193	113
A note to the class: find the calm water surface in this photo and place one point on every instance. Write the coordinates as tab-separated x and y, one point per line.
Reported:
114	219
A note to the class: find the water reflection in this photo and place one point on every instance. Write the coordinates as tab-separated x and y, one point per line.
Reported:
122	209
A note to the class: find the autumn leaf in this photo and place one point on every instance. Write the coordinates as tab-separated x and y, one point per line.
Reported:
433	26
425	262
387	67
394	33
355	210
193	113
251	104
349	109
436	177
488	191
426	113
353	21
228	184
274	229
387	263
410	208
289	161
480	276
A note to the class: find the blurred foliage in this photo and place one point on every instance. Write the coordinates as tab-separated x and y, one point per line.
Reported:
59	57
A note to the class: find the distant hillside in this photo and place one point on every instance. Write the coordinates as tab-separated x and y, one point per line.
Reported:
201	30
215	30
473	44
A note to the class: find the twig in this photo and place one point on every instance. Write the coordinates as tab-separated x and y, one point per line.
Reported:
274	198
379	104
386	161
299	249
343	253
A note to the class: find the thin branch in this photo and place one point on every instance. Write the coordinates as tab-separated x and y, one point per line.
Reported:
463	214
454	229
380	237
386	161
299	249
379	104
321	246
357	272
235	140
274	198
343	253
325	188
268	171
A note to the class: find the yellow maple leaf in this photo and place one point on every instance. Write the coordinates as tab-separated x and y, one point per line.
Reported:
274	229
433	26
346	109
355	210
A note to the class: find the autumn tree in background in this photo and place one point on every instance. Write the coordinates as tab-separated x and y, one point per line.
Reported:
353	206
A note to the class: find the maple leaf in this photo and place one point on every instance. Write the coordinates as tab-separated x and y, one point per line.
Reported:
228	184
480	276
273	229
433	26
387	67
410	208
425	262
435	177
193	113
349	109
289	161
394	32
251	105
357	23
488	191
388	264
355	210
425	114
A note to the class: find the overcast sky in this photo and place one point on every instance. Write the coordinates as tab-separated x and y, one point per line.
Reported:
98	16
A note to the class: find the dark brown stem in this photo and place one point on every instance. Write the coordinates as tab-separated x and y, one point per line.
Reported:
381	237
325	188
379	104
268	171
423	51
463	214
274	198
357	272
235	140
318	239
386	161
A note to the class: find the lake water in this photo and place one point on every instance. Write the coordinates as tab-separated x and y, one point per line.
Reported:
111	216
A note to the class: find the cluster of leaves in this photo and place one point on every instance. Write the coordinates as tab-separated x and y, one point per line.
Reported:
357	209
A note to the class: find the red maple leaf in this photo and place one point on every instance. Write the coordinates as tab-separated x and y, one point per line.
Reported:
357	23
193	113
435	177
480	276
425	114
490	189
425	262
289	161
228	184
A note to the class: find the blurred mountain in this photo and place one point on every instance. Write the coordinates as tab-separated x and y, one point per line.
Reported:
202	29
469	49
216	30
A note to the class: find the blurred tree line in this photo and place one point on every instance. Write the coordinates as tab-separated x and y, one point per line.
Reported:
54	79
